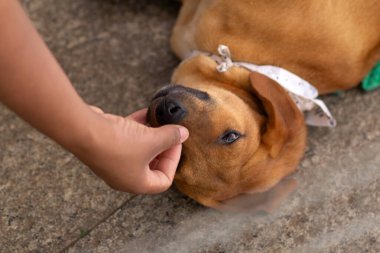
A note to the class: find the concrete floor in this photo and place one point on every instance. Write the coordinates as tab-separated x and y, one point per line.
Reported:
117	54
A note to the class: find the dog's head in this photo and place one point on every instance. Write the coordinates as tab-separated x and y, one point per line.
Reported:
246	133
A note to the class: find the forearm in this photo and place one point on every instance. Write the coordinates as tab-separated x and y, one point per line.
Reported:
33	84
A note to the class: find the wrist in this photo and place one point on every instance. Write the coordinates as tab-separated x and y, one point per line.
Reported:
82	135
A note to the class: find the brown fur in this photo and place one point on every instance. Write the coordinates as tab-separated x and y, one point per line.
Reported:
332	44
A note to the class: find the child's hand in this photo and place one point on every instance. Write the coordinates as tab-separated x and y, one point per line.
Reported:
132	157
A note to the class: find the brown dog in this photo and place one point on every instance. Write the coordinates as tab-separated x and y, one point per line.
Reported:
246	132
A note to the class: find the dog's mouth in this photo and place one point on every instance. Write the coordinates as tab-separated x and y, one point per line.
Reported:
168	107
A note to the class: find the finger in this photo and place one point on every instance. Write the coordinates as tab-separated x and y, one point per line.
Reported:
139	116
161	177
168	161
96	109
153	164
165	137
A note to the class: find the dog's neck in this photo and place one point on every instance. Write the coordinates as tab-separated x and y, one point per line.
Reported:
303	93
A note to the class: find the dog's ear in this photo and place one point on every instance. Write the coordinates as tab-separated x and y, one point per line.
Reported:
284	118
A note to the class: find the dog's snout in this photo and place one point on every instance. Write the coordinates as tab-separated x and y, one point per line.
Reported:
170	112
171	104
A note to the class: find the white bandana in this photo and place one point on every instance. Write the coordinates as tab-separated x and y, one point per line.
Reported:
303	93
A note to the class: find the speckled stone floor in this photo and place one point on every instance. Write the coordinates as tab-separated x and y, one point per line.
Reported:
117	54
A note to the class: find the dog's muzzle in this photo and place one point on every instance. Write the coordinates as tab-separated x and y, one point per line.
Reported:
169	111
167	105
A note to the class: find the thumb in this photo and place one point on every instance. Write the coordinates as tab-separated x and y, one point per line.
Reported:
167	136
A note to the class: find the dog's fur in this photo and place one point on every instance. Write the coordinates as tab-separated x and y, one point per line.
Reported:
332	44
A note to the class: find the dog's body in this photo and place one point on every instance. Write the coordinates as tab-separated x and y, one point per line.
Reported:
246	133
332	44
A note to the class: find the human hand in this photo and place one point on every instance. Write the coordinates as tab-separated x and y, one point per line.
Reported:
126	154
132	157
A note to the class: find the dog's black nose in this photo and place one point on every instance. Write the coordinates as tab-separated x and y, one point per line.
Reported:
170	112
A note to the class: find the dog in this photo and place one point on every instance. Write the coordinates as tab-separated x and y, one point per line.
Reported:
247	132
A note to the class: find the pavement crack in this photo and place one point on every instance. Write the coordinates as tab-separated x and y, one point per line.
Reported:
88	231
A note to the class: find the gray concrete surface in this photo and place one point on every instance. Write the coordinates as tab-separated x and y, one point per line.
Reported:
117	54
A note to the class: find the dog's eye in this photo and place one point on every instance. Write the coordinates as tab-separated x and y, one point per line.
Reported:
230	136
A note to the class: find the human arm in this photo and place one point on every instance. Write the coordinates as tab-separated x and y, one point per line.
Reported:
120	150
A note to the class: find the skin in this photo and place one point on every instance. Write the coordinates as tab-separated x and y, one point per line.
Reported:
125	153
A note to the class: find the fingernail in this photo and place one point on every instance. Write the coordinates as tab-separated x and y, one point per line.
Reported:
184	133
